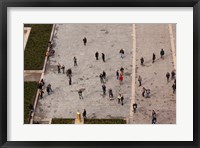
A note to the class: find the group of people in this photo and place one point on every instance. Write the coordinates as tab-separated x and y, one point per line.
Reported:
102	55
41	85
119	76
162	53
146	92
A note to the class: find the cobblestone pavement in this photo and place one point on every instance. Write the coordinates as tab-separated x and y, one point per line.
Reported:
109	39
64	102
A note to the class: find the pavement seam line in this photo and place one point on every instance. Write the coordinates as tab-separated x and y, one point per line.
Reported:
172	45
133	71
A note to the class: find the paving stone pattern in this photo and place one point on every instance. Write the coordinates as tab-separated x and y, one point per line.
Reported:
64	102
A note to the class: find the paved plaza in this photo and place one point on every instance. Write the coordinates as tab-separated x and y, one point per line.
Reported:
137	40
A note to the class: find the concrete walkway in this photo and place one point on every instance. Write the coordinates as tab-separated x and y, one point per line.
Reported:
64	101
150	39
137	40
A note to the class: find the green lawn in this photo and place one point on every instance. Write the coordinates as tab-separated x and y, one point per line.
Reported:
104	121
36	46
30	90
62	121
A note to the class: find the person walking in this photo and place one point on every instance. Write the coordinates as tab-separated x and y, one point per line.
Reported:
75	61
120	78
63	69
84	41
110	94
97	55
143	91
154	58
40	86
104	75
121	52
70	80
50	89
103	57
42	82
173	74
154	119
84	113
41	94
119	98
117	74
142	61
58	67
80	91
174	88
122	100
104	89
167	76
69	72
101	78
122	70
148	91
140	81
134	107
162	52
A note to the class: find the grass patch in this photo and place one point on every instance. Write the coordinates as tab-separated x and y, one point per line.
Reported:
35	50
62	121
104	121
30	90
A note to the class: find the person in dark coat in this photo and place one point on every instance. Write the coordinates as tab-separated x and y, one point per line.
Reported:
104	75
104	89
70	80
167	76
84	113
142	61
84	41
41	94
140	80
75	61
69	72
101	78
48	90
117	74
80	94
97	55
134	107
103	57
162	52
110	94
122	71
154	119
174	88
143	91
49	86
58	67
173	74
42	82
154	57
40	85
122	100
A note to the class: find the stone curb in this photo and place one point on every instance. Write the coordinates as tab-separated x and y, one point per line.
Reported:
42	75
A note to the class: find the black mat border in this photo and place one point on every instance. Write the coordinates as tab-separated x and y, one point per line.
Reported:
98	3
